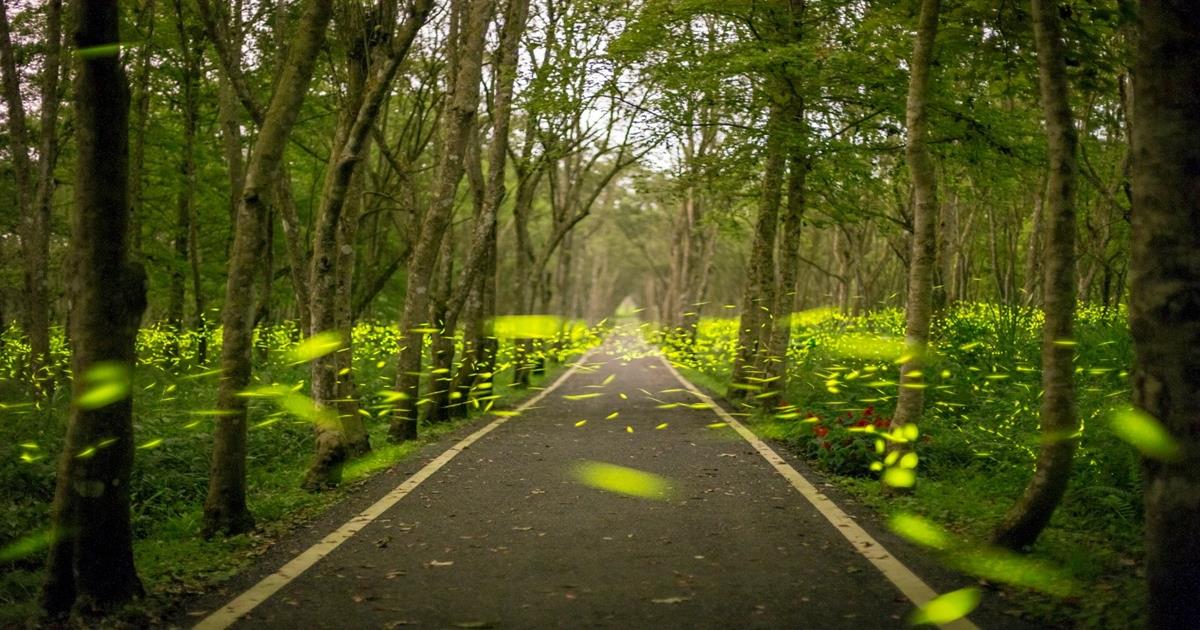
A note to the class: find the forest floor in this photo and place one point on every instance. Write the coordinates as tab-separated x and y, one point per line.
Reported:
534	525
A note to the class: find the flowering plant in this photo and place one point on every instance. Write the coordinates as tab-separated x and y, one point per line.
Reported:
846	444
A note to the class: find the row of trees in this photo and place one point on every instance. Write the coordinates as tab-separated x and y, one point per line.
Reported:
790	154
377	146
811	123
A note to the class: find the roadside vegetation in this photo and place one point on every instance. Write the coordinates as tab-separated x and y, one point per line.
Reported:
978	438
173	429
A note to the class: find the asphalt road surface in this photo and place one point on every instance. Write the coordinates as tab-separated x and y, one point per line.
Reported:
508	534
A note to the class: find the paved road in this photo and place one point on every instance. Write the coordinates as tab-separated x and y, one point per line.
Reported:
506	536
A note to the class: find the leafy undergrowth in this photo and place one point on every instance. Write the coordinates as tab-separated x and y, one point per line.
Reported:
977	438
173	428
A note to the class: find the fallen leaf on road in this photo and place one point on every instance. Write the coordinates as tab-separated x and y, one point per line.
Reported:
670	600
439	563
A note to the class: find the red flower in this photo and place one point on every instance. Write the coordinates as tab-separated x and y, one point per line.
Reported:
821	431
861	423
869	410
883	423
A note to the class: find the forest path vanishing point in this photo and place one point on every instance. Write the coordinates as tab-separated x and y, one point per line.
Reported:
503	529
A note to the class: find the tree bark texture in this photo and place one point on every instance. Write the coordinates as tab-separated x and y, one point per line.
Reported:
458	123
225	508
90	568
758	297
1164	308
918	307
35	189
1022	525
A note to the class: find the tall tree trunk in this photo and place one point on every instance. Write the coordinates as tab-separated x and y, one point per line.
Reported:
141	111
34	190
918	308
225	506
190	53
1164	308
758	297
789	264
353	141
90	567
1022	525
358	440
459	120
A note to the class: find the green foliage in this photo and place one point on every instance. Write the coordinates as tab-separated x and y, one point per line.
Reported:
977	442
173	398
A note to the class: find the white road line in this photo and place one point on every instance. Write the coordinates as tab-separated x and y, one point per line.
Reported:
901	576
268	586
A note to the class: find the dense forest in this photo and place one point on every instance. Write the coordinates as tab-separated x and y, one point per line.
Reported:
255	253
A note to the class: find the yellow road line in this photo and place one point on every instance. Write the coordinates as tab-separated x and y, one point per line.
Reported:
913	587
268	586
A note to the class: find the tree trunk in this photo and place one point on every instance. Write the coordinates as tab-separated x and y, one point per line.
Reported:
441	348
789	263
758	297
1164	304
225	506
919	305
90	568
1033	254
34	190
1021	527
458	122
190	53
141	111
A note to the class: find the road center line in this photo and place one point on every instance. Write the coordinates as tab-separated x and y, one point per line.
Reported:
913	587
268	586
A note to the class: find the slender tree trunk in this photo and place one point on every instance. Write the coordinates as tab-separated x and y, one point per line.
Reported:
90	567
758	297
1033	255
442	339
1021	527
34	190
1164	309
789	264
141	111
458	122
225	506
918	309
182	237
365	100
358	440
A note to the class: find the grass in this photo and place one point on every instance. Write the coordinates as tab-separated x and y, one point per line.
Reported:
170	475
979	436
